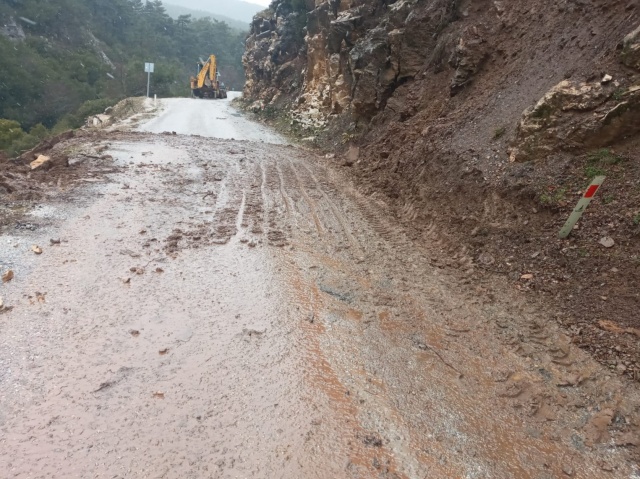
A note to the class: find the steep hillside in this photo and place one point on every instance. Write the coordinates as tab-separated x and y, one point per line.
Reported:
66	59
481	123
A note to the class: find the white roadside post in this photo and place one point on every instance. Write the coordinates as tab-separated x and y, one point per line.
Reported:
581	206
148	68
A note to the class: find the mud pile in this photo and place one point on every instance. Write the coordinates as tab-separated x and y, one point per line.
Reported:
49	170
481	124
61	158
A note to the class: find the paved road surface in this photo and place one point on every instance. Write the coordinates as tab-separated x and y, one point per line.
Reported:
236	309
209	118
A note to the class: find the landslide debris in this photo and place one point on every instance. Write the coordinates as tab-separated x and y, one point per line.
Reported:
480	124
51	169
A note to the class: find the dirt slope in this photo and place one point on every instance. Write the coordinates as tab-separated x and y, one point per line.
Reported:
481	123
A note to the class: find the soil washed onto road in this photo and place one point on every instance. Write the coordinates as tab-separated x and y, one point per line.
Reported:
208	307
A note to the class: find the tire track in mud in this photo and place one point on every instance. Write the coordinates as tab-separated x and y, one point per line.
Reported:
382	403
277	217
252	225
378	215
223	221
398	244
324	186
227	210
419	356
285	197
291	177
311	188
458	390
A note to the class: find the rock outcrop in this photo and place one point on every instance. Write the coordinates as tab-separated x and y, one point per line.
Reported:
367	63
631	49
12	30
578	116
338	56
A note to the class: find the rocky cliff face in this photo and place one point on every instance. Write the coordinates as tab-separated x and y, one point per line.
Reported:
343	56
384	61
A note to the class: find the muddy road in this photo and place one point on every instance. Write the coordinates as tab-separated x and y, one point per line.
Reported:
221	308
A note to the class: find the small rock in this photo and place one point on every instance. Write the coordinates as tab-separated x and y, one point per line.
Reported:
54	241
134	332
606	79
607	242
621	367
8	276
569	380
36	249
568	470
486	258
352	155
606	467
527	276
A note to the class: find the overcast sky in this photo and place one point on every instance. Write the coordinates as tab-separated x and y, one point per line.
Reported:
264	3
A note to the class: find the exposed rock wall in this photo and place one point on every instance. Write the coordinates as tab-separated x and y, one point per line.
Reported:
374	62
342	56
12	30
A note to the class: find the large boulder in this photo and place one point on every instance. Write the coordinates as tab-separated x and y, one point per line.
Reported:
469	55
575	116
631	49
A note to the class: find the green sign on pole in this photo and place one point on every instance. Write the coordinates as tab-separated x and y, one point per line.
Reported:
581	206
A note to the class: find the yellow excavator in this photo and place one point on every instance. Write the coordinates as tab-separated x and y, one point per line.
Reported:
207	83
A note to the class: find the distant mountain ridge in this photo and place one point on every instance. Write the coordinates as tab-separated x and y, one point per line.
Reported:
235	9
175	11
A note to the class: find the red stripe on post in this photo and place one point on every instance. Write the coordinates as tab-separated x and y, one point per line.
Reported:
591	191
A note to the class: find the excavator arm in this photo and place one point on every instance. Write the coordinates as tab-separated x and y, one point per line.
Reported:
209	70
205	84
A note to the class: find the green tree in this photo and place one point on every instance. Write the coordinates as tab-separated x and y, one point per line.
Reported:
10	131
81	53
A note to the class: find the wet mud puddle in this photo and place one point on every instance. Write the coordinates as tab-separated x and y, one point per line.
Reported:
233	309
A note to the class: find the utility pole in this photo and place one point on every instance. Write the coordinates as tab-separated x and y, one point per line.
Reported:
148	68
